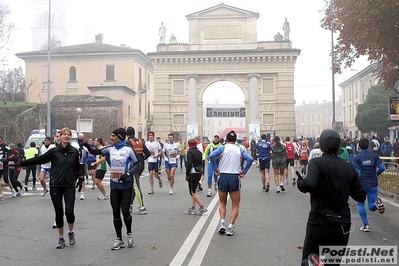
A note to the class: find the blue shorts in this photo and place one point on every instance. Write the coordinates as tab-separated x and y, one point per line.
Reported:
264	164
153	166
45	170
229	182
170	165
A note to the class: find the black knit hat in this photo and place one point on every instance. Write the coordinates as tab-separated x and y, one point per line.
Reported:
120	133
330	141
130	131
231	136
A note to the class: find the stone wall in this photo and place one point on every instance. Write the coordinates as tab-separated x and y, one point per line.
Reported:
14	121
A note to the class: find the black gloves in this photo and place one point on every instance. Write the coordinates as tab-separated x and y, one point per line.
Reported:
123	178
84	144
298	175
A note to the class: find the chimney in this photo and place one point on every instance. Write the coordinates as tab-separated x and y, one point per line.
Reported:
99	39
59	44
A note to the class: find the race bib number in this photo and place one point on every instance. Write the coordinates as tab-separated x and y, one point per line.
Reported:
172	154
116	173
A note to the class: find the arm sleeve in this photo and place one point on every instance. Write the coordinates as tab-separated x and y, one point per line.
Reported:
248	158
206	152
309	183
214	155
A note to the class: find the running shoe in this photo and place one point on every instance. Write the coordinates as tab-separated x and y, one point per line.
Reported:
1	197
18	194
82	195
170	191
209	193
93	186
103	197
293	181
278	190
380	206
286	181
365	228
13	193
141	210
44	192
282	187
313	260
34	188
191	211
118	244
202	210
26	188
230	231
72	239
151	192
61	243
130	241
222	228
264	188
22	191
160	183
267	187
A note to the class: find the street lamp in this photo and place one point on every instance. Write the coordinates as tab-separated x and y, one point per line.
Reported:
79	111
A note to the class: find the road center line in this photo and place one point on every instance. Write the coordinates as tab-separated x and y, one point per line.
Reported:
192	237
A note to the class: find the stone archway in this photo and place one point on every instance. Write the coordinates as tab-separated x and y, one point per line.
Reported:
223	46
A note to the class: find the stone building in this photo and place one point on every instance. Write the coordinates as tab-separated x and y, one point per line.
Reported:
120	73
223	46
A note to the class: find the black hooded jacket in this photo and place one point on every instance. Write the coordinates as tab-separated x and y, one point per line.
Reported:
65	165
330	181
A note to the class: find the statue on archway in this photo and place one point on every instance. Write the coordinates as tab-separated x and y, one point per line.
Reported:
286	28
162	31
278	37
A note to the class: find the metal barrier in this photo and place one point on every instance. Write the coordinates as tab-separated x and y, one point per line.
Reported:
388	181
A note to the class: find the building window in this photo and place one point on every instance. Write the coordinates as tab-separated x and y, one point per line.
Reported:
148	82
268	86
110	72
178	87
356	90
268	119
178	119
72	73
140	106
343	95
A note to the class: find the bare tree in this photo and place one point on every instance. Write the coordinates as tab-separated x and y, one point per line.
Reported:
6	29
53	43
12	84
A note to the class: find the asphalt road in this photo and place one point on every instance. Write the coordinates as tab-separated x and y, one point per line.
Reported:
269	230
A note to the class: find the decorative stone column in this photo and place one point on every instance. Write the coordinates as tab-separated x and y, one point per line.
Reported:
192	98
253	97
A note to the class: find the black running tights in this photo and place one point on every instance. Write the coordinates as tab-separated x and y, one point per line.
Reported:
120	199
57	193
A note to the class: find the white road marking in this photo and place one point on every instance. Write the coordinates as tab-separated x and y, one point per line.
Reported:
192	237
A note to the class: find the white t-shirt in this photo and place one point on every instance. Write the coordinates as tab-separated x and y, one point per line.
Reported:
171	151
43	150
154	147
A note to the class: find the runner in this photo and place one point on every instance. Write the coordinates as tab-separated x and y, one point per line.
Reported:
101	166
171	153
209	149
228	168
263	149
155	149
193	175
65	170
120	157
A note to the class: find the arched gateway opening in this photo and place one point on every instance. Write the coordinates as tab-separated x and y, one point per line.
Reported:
223	47
223	110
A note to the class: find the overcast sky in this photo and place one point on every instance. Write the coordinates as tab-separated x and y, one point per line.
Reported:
136	23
